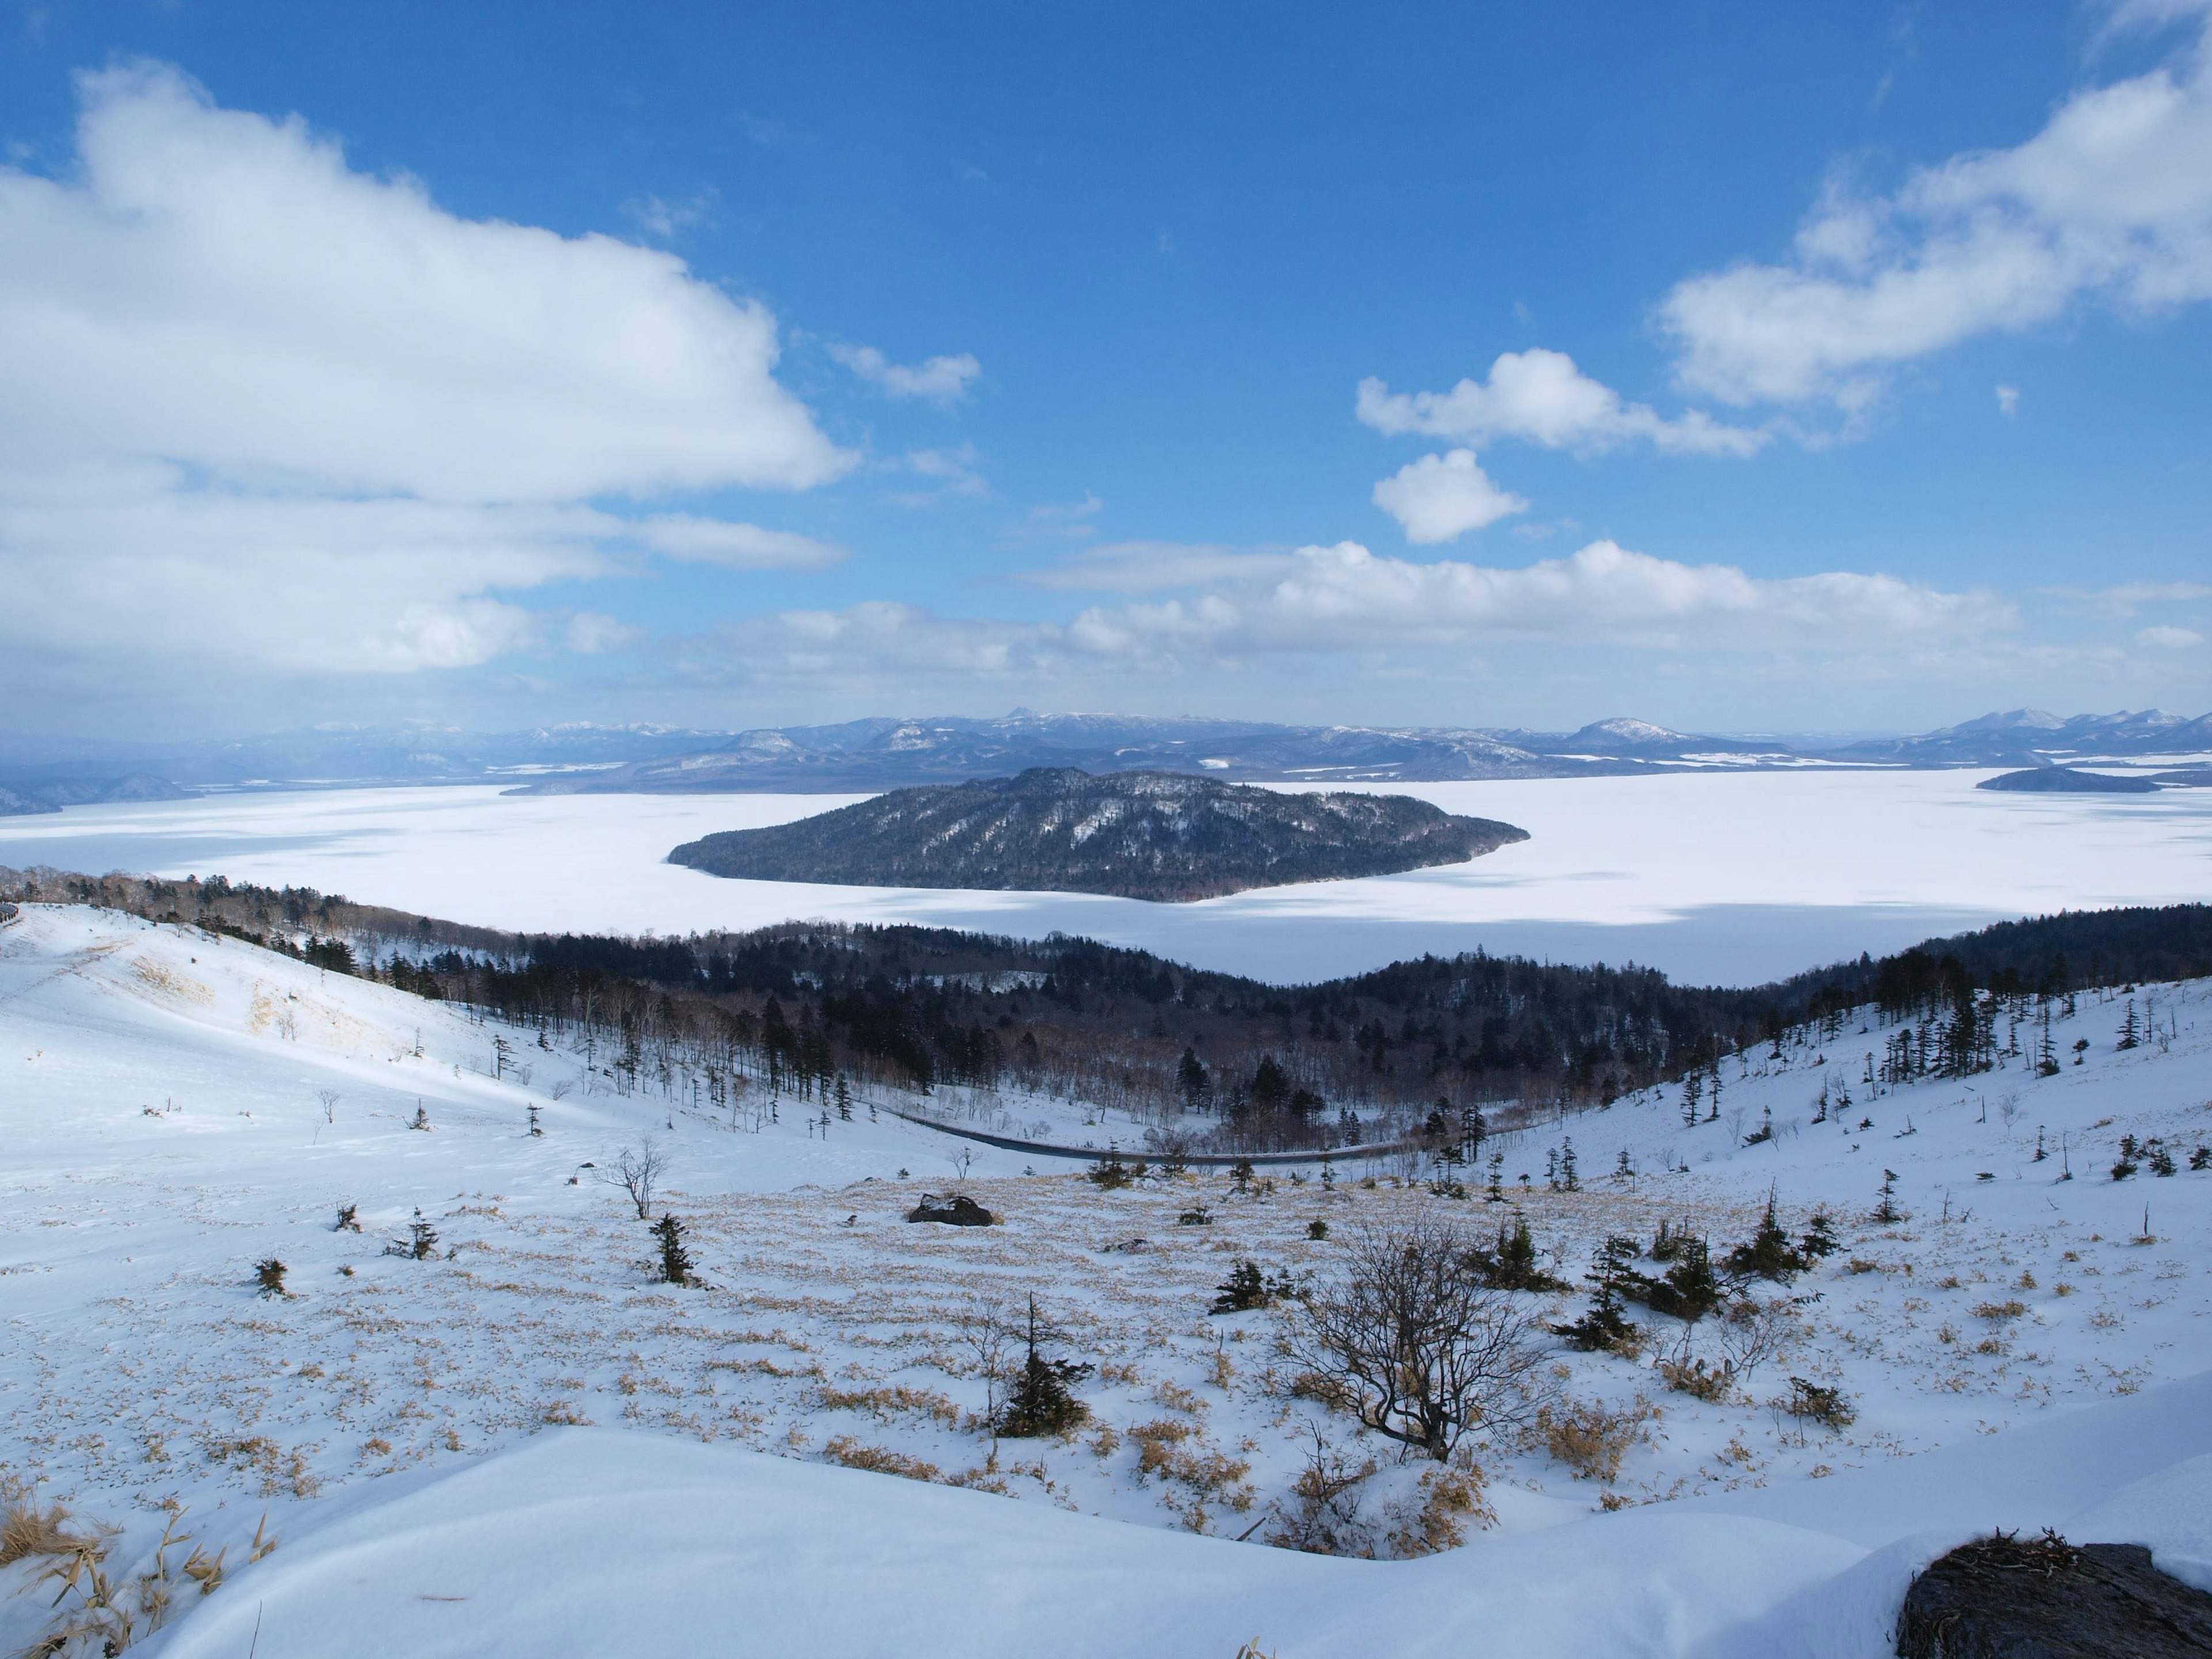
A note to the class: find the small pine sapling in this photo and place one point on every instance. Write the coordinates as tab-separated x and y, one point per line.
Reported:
1245	1289
1690	1290
535	1131
675	1259
1603	1326
1318	1231
1040	1400
1819	1240
2160	1159
1240	1177
1887	1213
422	1241
1570	1179
1510	1264
1109	1174
2201	1158
1769	1253
421	1120
268	1276
347	1221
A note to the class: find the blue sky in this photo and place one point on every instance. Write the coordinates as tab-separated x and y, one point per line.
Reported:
728	366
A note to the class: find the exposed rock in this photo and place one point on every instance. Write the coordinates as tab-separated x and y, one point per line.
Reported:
2004	1597
956	1211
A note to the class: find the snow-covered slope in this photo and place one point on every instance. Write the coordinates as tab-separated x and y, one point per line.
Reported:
595	1463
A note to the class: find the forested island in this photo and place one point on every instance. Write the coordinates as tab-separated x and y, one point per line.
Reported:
1157	836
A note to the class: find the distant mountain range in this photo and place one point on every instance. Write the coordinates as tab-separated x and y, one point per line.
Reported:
867	756
1160	836
2028	737
878	754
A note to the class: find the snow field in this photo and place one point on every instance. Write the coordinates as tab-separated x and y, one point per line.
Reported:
162	1106
1717	878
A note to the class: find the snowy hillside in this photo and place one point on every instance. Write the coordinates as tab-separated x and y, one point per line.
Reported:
515	1440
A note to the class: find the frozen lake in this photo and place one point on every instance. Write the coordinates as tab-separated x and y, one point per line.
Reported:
1716	878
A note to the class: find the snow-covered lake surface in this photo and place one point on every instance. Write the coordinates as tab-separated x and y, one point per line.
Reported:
1715	877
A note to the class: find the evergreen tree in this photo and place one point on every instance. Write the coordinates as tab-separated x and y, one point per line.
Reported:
675	1259
1041	1400
1612	1276
1769	1253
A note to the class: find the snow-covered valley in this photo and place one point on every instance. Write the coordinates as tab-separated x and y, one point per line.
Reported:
515	1440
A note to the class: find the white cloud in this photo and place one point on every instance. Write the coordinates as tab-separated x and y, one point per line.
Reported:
2171	639
260	408
940	381
1438	498
1540	397
590	633
1345	597
880	636
2008	401
734	546
2110	201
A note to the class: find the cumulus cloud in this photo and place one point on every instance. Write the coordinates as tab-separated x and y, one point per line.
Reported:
1439	498
2111	203
2171	639
1540	397
1345	597
257	404
940	381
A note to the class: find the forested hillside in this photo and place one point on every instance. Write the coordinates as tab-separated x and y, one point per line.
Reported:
1249	1064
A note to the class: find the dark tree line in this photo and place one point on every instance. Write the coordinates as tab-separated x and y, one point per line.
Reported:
797	1007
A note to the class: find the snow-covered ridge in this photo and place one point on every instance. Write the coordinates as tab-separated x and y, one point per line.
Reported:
2017	1349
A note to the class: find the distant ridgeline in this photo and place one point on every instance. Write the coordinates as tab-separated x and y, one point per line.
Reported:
1161	836
1259	1066
2066	780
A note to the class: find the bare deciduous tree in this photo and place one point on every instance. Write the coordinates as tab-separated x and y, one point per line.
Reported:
1417	1348
990	1334
637	1171
330	1099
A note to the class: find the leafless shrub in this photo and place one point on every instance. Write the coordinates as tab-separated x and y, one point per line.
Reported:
1418	1347
637	1171
1324	1518
1751	1332
989	1333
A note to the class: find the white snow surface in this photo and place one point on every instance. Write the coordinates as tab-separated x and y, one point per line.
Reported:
528	1447
1724	879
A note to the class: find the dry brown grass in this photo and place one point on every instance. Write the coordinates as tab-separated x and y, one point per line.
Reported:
1592	1438
29	1529
880	1460
884	1404
1697	1380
